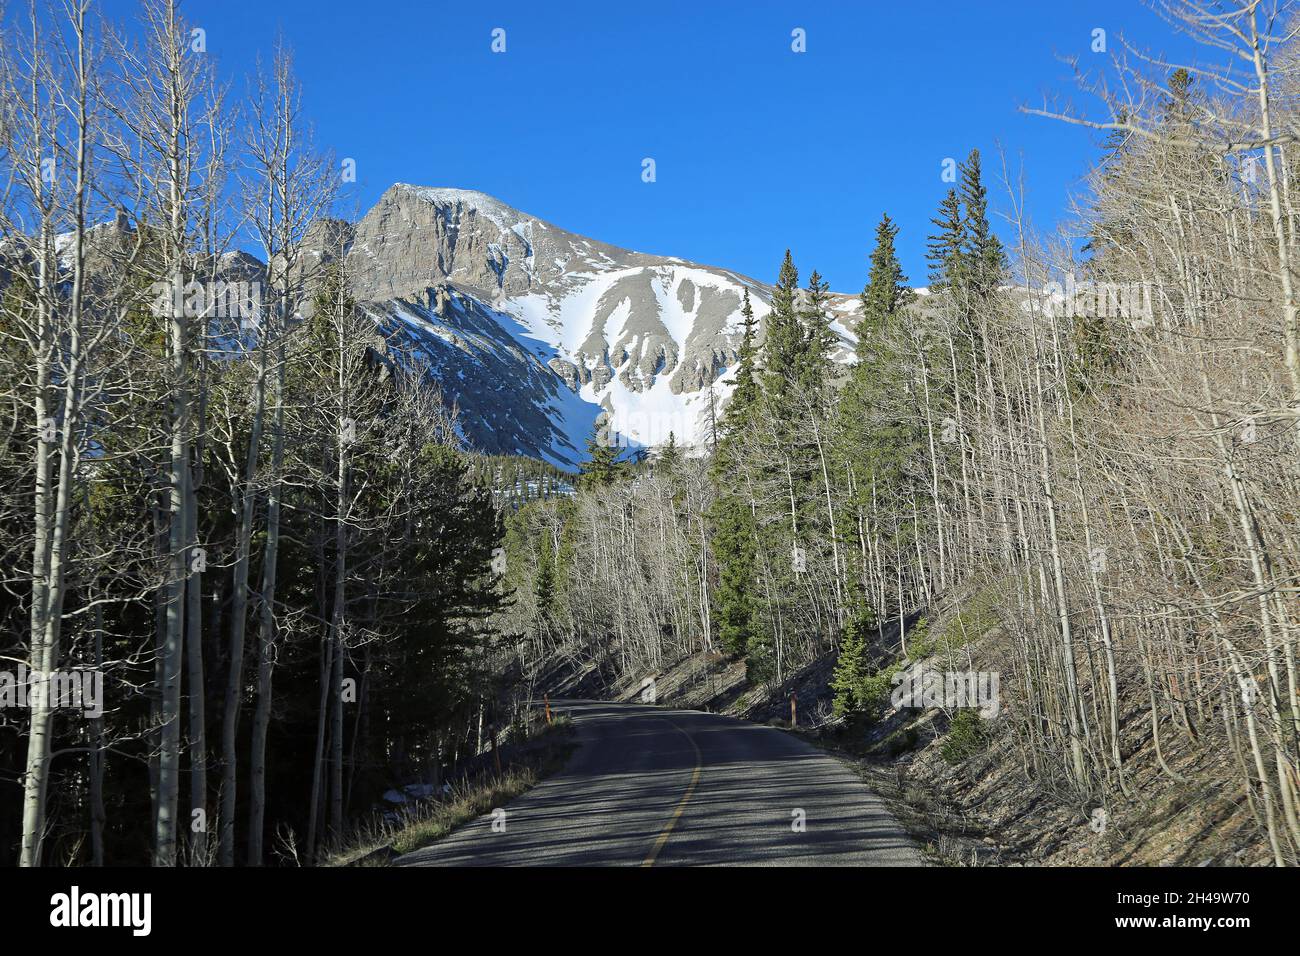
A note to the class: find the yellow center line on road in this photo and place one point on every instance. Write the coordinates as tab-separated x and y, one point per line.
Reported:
681	804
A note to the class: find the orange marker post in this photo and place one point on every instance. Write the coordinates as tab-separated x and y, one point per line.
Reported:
794	711
547	698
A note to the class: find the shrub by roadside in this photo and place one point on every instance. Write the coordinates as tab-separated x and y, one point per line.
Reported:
424	823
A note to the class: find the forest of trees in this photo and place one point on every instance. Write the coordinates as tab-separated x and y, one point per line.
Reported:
1096	447
219	488
222	490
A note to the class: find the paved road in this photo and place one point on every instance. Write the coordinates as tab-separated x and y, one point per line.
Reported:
652	786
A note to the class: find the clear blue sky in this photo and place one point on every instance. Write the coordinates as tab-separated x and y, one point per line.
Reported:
757	148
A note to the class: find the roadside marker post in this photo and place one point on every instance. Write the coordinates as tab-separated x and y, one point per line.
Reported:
794	712
547	698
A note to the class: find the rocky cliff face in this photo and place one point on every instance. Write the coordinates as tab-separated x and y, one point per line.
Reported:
535	331
416	236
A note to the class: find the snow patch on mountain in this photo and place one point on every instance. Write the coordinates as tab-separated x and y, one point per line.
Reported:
537	332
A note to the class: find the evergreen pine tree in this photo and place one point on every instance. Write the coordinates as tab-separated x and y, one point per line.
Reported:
544	581
734	549
873	436
745	393
1178	111
946	249
783	346
851	666
982	253
733	540
793	521
603	466
819	340
886	291
671	456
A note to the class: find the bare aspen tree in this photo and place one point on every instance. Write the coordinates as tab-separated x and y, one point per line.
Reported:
57	129
293	189
166	85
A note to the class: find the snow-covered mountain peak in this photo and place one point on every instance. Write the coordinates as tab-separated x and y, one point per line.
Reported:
515	310
471	199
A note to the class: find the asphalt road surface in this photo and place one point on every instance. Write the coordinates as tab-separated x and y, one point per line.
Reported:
649	786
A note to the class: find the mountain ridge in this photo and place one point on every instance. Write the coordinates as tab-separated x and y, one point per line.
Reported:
537	333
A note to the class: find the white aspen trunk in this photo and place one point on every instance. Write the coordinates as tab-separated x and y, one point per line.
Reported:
38	741
239	614
49	557
318	772
1103	617
1283	249
98	758
339	611
194	661
174	76
934	471
266	629
830	517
